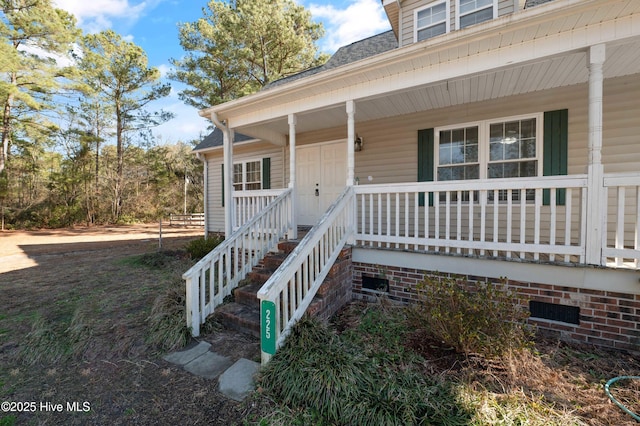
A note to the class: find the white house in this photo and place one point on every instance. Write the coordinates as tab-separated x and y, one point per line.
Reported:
482	138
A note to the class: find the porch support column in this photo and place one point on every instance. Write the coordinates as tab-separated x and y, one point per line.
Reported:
351	137
227	148
595	172
227	160
292	175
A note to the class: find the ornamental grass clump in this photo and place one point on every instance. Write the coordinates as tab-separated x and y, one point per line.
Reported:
473	318
327	379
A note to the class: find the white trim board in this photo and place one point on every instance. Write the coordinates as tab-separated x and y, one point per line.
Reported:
584	277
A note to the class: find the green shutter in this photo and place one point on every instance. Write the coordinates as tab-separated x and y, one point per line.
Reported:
266	173
555	150
425	161
222	185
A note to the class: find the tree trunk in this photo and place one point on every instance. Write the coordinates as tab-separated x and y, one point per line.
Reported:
6	129
117	201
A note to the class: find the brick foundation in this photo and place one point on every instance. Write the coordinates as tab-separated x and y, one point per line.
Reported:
335	291
606	318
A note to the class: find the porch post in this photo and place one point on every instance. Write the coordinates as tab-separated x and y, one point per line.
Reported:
292	175
229	218
597	204
351	136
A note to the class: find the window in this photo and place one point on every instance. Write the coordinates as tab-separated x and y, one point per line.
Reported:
247	176
458	154
501	148
524	146
431	21
471	12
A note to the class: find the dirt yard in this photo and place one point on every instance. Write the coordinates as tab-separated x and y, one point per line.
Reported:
73	327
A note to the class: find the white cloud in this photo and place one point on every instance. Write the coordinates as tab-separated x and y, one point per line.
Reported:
359	20
164	70
97	15
187	125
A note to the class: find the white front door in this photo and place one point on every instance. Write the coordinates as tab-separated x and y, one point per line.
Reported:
321	175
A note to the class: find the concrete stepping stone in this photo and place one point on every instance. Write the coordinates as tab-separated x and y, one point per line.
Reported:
184	357
208	365
237	382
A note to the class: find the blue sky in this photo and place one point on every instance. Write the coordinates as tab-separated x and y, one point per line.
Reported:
153	25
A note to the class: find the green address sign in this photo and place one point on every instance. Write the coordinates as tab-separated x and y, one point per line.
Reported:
268	327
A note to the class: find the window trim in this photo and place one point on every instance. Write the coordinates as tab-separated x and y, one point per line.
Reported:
447	19
484	142
460	15
244	174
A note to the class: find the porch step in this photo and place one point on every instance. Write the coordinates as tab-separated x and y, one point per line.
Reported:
259	275
243	314
287	247
248	294
240	317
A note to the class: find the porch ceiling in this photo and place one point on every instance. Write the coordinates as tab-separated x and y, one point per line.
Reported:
552	72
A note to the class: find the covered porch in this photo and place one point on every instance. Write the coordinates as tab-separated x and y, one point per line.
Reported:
569	196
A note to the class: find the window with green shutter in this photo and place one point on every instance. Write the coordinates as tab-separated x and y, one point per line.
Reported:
249	175
522	146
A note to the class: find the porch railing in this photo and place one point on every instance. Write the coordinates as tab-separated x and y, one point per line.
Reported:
250	203
621	240
541	219
286	295
215	276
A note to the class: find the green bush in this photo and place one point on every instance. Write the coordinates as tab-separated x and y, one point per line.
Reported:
200	247
482	318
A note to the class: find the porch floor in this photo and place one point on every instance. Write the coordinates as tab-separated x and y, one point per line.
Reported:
542	258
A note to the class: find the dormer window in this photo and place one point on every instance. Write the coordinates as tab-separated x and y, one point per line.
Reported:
471	12
431	21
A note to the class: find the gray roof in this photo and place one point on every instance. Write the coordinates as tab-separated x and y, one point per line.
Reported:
215	139
356	51
353	52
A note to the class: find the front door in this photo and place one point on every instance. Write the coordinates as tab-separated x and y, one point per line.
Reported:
321	175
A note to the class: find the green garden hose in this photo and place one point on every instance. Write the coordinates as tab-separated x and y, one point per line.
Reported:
625	409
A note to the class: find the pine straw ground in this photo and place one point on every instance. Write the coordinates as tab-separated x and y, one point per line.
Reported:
78	326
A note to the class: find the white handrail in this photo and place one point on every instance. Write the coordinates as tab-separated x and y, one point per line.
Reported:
249	203
541	219
215	276
294	284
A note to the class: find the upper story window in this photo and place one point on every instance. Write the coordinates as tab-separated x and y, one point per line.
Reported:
247	176
432	21
471	12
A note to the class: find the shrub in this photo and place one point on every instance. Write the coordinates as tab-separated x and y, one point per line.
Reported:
167	328
334	382
482	318
200	247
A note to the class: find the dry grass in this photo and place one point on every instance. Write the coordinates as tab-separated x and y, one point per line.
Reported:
552	384
74	327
